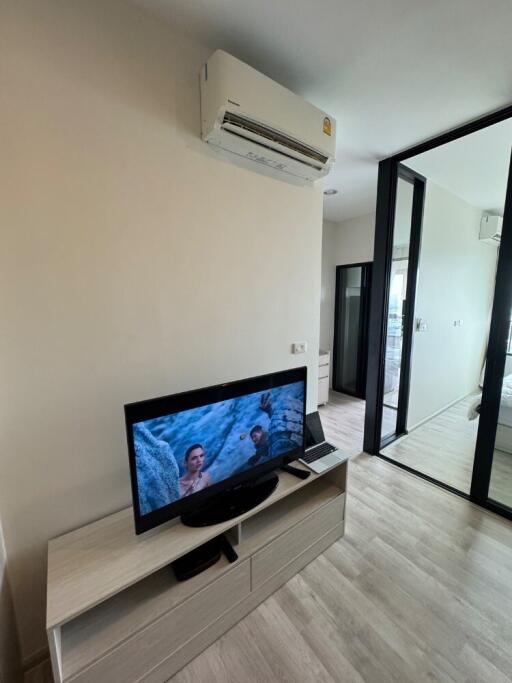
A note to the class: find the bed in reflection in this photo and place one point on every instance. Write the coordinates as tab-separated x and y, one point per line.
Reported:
504	430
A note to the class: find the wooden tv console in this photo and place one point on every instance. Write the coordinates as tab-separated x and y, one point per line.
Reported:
115	612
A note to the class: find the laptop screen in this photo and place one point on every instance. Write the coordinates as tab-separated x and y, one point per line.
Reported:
314	431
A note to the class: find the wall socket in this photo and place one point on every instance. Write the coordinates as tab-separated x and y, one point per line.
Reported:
299	347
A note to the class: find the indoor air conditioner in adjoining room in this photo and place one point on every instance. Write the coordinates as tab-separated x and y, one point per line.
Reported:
248	115
490	229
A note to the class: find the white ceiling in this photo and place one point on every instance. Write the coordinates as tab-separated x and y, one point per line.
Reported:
474	167
392	72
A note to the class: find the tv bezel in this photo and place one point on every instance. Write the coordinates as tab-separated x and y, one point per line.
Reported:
187	400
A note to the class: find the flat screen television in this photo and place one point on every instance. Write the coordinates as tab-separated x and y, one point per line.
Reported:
210	454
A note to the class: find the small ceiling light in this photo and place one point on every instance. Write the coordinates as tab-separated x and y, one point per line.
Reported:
330	192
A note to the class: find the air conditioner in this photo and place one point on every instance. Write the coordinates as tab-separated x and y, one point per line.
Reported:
250	116
490	229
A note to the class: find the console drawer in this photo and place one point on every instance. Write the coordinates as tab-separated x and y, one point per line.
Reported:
323	371
171	631
284	549
324	358
323	390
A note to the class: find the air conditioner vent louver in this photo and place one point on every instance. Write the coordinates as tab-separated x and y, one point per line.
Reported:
258	124
241	123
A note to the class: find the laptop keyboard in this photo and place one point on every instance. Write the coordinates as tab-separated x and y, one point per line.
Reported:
317	452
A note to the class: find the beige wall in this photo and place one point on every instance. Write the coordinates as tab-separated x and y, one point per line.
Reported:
354	240
328	285
456	278
134	263
342	243
10	671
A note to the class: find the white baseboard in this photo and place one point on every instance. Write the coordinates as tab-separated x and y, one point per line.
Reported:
35	659
438	412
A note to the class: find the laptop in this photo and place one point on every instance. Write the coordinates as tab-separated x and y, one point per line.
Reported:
319	455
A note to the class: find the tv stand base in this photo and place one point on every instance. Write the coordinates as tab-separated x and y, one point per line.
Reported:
233	502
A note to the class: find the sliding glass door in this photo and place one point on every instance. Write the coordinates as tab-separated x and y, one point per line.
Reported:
439	388
400	308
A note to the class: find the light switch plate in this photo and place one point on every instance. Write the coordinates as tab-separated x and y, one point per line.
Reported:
299	347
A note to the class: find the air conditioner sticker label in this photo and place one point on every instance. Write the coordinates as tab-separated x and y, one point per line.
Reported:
327	126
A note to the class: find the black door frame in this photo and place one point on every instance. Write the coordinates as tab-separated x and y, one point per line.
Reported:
366	280
418	200
496	353
389	172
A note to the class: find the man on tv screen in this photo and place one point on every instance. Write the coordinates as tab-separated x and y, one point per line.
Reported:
259	435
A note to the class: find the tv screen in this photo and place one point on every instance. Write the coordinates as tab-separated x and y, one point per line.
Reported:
186	448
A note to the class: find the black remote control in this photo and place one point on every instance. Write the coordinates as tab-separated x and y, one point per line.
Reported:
300	474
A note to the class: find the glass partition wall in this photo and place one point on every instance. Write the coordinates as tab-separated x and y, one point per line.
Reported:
439	389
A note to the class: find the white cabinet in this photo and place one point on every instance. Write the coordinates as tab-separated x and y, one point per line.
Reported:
324	372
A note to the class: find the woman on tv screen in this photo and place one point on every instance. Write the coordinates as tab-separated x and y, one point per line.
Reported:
194	479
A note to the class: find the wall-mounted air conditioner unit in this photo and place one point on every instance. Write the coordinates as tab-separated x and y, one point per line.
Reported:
490	229
248	115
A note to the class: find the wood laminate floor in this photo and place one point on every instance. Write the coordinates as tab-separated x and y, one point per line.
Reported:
419	589
343	421
444	448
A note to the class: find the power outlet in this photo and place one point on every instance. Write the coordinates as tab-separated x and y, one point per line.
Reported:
299	347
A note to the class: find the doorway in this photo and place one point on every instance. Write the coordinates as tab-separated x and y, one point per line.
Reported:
406	240
351	311
455	421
